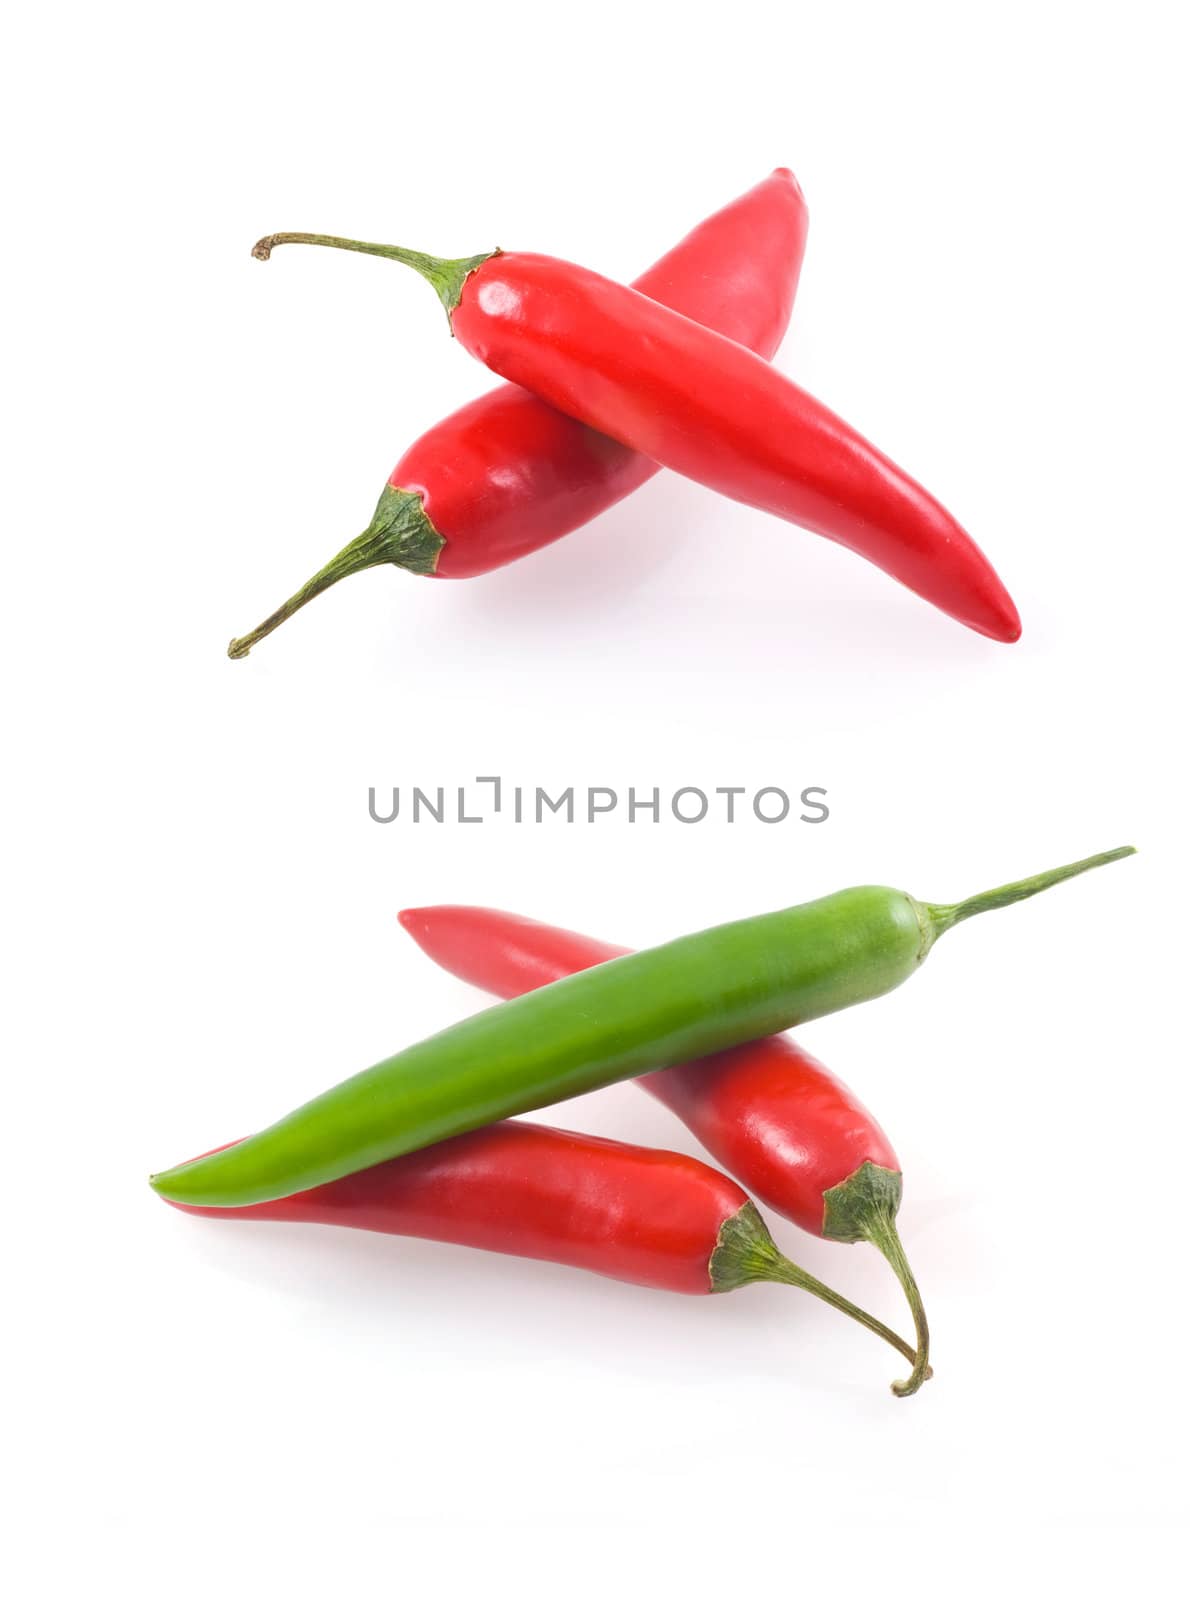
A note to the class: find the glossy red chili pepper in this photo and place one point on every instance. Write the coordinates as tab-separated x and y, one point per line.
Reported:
508	474
793	1134
648	1217
704	406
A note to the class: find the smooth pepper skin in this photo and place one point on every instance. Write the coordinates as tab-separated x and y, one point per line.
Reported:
693	996
706	407
508	474
773	1115
648	1217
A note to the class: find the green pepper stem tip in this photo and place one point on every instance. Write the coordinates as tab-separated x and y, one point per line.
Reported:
882	1232
864	1206
446	276
941	917
400	533
747	1253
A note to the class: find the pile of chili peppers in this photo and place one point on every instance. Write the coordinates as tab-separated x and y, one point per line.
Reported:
419	1144
605	384
608	383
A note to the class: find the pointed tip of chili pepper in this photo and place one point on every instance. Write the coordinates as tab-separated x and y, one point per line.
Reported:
1012	627
788	176
420	923
999	618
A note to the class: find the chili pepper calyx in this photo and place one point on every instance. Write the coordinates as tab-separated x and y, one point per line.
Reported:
745	1252
864	1206
446	276
399	533
848	1207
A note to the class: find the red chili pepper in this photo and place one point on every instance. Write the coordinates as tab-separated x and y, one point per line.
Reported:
508	474
704	406
648	1217
792	1133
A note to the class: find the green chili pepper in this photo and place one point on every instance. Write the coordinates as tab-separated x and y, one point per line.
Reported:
702	993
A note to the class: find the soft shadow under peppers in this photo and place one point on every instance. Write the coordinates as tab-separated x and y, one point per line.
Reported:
649	1217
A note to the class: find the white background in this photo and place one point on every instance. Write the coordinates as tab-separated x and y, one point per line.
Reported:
200	915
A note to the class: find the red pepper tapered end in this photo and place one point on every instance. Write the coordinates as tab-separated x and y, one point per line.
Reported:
986	605
1005	619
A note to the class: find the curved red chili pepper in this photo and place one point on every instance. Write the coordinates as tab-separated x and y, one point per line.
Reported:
508	474
793	1134
520	1188
649	1217
709	409
704	406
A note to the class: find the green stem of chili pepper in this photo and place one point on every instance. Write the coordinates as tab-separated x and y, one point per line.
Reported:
944	917
445	276
882	1232
400	532
864	1206
620	1019
747	1253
